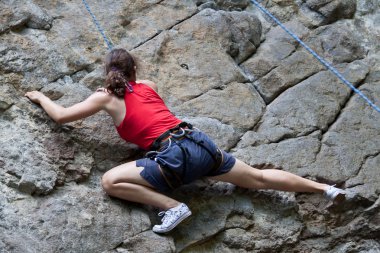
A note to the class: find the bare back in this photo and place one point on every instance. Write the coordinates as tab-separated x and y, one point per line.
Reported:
116	106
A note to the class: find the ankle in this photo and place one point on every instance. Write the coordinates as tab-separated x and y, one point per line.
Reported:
171	204
325	187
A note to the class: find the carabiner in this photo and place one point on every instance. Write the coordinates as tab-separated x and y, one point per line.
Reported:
179	135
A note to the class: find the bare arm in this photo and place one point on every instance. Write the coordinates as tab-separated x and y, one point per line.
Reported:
60	114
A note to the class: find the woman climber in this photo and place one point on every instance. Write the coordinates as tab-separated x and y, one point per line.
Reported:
178	152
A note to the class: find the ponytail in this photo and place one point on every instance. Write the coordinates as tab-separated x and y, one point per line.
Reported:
121	69
117	84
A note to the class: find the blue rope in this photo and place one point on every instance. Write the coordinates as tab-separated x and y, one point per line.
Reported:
319	58
109	44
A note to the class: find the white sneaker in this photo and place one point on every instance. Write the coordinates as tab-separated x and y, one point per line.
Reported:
335	194
172	218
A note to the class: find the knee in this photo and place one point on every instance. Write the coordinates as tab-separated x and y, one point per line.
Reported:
108	183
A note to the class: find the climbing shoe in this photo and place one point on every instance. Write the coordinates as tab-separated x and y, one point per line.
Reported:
171	218
334	194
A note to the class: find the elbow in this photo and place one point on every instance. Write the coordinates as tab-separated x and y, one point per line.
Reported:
60	119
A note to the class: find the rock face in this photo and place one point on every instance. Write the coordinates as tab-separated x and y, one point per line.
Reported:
221	65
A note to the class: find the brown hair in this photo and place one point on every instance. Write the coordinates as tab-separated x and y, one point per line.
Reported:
120	69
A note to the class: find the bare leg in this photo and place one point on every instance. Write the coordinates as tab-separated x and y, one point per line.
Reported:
245	176
125	182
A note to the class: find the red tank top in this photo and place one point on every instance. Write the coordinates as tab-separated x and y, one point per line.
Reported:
147	116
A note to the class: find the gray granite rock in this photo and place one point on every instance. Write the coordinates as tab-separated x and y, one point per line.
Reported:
226	68
210	35
227	5
278	45
242	106
148	241
348	148
311	105
225	136
328	11
294	69
74	218
16	14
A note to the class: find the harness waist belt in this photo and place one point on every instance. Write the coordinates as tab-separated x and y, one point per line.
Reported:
167	134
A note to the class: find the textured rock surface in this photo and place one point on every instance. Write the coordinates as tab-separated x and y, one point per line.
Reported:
226	68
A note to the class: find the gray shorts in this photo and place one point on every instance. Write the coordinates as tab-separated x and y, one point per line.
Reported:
198	162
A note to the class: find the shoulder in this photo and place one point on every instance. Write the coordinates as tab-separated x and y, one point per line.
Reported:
101	96
149	83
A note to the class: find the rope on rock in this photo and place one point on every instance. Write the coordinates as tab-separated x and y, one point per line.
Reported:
96	22
319	58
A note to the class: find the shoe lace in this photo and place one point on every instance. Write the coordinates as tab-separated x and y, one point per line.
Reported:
167	216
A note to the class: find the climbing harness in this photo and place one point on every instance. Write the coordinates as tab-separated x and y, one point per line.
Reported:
96	22
165	141
319	58
177	132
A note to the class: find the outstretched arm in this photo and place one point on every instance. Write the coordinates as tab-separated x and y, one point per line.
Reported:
60	114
